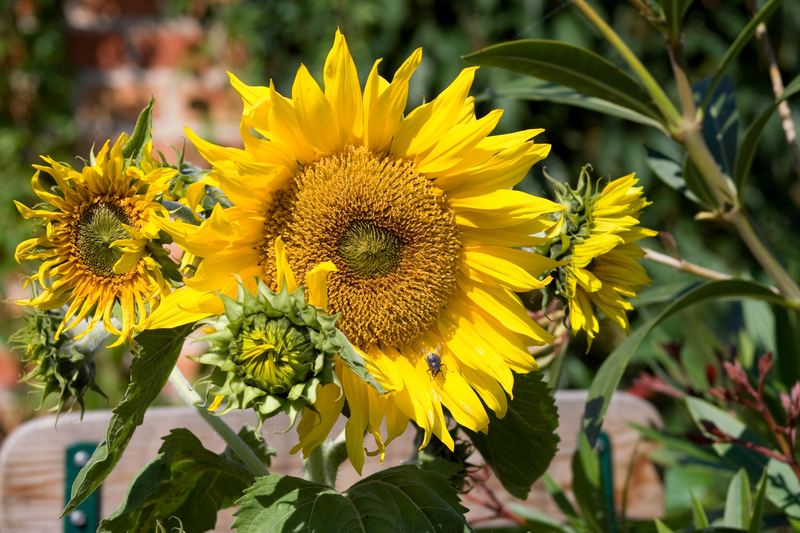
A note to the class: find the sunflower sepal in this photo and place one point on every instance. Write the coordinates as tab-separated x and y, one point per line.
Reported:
134	148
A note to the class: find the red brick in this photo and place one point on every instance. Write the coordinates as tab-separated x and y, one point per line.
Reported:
93	11
96	48
168	45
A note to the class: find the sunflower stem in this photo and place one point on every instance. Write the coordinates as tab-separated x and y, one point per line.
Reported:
322	465
231	438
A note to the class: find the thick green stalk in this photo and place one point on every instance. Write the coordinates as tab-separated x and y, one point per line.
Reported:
242	450
662	101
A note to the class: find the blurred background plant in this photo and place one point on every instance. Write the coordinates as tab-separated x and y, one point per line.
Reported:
74	73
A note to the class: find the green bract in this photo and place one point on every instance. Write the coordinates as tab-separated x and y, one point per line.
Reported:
271	352
64	366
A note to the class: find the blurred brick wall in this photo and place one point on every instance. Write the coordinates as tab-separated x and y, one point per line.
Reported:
126	50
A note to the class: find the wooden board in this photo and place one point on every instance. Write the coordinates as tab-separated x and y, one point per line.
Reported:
32	460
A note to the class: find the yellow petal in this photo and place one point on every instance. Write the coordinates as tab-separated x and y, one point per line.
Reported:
283	274
316	282
315	426
384	106
183	306
500	209
315	114
515	269
343	91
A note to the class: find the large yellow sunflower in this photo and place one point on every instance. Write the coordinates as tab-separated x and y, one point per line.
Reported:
417	214
603	271
94	249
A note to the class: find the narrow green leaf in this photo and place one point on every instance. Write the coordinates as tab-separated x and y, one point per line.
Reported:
741	40
670	172
400	499
536	520
586	484
661	527
674	11
787	341
560	499
537	91
610	373
520	446
758	505
141	133
752	137
738	501
782	485
699	516
156	356
571	66
186	482
697	185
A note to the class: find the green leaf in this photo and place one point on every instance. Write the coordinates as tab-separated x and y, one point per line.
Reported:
156	356
696	184
400	499
141	133
738	45
186	482
538	91
536	520
520	446
782	485
670	172
610	373
571	66
587	485
738	501
787	341
699	516
674	11
661	527
720	120
758	506
356	363
752	137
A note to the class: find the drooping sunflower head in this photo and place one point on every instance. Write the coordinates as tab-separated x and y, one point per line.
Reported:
271	349
599	234
59	366
99	245
416	212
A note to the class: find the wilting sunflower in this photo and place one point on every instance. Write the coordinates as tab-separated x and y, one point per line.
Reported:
416	213
96	250
603	270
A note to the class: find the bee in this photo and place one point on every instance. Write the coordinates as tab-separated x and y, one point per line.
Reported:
435	365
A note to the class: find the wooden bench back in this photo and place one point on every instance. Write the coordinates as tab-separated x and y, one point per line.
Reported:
32	460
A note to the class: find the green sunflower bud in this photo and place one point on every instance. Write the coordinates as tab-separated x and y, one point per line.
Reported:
64	366
270	352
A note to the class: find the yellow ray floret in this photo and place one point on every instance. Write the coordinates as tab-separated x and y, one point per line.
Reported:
417	214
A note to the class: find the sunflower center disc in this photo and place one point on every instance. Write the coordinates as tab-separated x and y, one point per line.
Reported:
388	230
369	250
99	226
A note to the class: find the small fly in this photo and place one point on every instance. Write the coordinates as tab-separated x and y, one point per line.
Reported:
435	365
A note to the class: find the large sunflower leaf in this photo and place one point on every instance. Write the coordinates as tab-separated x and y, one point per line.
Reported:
571	66
610	373
520	446
185	484
156	356
400	499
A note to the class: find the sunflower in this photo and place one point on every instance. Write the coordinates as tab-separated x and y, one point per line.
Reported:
97	250
417	214
603	269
